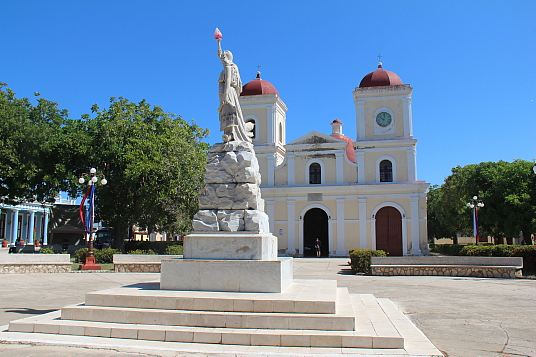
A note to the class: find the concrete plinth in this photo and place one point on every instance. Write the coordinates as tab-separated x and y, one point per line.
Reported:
230	246
90	264
265	276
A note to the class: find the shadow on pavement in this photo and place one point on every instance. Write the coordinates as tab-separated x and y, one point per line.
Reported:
28	311
145	286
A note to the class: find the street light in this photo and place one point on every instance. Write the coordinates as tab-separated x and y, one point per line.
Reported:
474	204
93	178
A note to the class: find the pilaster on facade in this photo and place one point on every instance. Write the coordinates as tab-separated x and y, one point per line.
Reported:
415	227
408	125
360	160
272	162
341	251
339	164
412	164
290	170
271	125
362	201
291	227
360	114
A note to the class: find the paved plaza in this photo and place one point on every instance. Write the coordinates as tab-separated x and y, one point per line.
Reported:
461	316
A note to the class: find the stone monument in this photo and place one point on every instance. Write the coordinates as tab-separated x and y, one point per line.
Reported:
231	248
207	296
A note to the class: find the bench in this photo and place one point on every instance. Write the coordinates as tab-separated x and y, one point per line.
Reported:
140	263
482	267
34	263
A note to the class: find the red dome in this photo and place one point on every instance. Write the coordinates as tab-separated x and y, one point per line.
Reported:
349	147
380	77
258	87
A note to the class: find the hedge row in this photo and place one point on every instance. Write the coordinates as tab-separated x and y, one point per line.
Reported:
360	259
106	255
156	247
527	252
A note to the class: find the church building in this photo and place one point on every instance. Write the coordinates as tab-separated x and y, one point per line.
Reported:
360	193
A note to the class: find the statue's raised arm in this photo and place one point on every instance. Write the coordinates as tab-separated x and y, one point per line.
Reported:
229	89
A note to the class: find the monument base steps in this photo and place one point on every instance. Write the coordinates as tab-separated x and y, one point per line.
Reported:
310	313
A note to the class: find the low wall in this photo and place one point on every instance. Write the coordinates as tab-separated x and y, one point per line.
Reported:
140	263
482	267
34	263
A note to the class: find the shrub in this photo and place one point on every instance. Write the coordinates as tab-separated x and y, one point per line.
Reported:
141	251
174	250
80	255
46	251
102	256
360	259
158	247
105	255
527	252
448	249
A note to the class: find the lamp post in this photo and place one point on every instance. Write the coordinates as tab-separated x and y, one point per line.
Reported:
474	204
93	178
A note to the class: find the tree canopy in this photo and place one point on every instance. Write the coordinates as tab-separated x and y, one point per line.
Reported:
153	160
508	190
32	149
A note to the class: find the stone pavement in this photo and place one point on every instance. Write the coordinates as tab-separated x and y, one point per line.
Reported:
461	316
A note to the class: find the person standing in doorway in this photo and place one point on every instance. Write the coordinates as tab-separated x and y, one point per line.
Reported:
318	245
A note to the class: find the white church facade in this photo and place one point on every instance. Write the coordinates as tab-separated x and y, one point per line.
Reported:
360	193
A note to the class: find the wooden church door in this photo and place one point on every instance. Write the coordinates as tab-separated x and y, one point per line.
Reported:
389	231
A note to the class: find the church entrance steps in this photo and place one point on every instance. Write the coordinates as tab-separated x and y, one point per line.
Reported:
340	320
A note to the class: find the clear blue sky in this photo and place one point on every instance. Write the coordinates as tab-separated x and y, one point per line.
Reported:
472	64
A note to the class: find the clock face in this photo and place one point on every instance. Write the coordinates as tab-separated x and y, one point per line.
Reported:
384	119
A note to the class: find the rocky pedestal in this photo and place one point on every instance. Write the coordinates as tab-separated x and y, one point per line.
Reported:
231	248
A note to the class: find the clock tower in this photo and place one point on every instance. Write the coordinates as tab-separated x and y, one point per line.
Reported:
383	106
384	123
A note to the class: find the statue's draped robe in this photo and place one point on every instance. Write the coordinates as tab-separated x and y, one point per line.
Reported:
231	118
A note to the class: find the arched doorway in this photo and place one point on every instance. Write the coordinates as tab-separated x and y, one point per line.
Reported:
389	231
315	225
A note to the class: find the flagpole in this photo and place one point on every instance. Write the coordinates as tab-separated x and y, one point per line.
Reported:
90	263
474	204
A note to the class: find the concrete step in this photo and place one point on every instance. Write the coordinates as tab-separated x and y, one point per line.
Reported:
310	313
343	319
51	324
303	296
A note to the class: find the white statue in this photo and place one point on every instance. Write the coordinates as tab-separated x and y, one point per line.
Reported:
230	86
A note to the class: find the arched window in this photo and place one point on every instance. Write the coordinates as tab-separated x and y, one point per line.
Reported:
252	121
315	173
386	171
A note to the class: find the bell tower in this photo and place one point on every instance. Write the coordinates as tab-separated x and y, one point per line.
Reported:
383	120
383	106
262	106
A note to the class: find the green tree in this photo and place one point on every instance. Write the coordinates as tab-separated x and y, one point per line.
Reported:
32	148
508	190
154	164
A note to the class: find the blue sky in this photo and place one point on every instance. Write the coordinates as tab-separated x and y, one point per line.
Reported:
471	63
